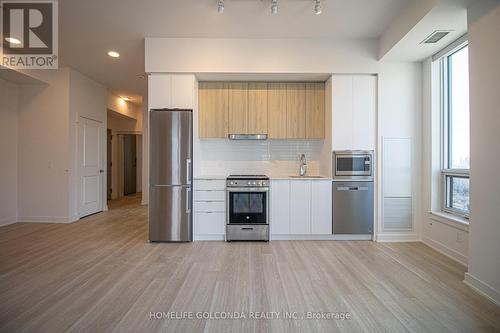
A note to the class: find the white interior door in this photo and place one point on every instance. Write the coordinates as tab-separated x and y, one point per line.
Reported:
91	169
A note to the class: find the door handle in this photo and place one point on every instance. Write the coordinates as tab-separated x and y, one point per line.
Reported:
246	228
188	170
188	201
101	171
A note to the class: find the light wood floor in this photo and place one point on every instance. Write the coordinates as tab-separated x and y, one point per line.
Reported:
101	275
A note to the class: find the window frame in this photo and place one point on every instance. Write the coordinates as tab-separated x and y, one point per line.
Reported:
446	171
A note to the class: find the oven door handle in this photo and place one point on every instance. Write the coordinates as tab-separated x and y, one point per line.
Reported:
247	189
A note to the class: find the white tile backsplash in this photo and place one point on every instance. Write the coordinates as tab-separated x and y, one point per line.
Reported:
271	157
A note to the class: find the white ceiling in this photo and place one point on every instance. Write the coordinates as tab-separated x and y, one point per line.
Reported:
449	15
88	29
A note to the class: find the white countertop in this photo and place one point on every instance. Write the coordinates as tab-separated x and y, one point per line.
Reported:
290	177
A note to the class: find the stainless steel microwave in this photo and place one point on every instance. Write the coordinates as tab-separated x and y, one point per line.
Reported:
352	164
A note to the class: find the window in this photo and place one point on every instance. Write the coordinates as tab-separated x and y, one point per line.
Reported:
456	138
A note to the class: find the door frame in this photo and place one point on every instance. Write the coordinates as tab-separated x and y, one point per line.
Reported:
119	169
102	162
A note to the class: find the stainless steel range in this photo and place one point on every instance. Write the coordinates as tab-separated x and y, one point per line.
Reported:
247	201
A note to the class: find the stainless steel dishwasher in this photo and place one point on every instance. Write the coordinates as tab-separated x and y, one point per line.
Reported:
352	207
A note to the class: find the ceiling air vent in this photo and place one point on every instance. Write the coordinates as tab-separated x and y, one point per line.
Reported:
435	37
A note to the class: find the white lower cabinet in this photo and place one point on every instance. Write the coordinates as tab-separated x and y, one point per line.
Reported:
280	207
209	209
209	223
301	207
321	207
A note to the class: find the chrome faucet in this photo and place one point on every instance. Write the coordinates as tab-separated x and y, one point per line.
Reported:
303	165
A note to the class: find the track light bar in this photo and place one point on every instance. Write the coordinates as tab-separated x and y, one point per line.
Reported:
317	7
274	7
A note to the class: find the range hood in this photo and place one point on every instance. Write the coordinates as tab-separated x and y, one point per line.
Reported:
247	136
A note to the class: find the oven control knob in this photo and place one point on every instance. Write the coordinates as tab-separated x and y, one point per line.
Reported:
253	183
249	183
231	183
259	183
264	183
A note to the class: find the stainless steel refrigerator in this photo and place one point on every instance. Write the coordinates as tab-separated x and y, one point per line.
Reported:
170	175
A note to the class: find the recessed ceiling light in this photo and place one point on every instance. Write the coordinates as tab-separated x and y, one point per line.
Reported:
125	98
113	54
317	7
13	40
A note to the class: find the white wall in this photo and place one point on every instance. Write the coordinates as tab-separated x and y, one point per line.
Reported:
88	99
209	55
117	104
47	116
43	163
484	71
438	232
8	151
399	116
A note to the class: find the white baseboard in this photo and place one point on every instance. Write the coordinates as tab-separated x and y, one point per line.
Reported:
8	220
46	219
397	237
209	237
443	249
482	288
321	237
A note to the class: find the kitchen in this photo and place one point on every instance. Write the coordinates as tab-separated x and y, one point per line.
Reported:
267	146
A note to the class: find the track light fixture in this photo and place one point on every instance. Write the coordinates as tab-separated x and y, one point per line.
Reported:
317	7
274	7
220	6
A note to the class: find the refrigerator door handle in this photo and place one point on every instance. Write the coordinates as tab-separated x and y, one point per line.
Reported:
188	200
188	170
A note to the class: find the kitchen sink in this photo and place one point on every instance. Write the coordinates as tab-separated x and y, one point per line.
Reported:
307	176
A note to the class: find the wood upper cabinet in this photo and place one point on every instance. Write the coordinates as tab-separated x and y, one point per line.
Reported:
213	110
257	108
292	110
276	109
295	110
315	110
238	107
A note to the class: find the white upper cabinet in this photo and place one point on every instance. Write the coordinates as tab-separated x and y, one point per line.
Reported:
159	91
183	91
342	112
363	115
321	207
353	114
172	91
